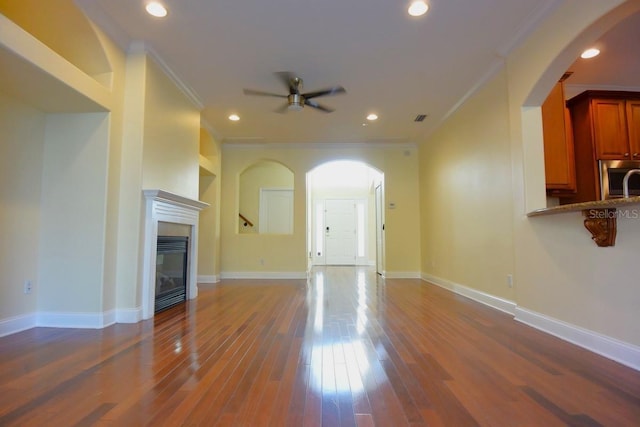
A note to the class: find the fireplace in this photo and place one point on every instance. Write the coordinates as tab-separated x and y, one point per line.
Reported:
171	271
161	208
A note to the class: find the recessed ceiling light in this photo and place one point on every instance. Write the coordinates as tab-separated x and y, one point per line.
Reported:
371	117
234	117
590	53
156	9
418	8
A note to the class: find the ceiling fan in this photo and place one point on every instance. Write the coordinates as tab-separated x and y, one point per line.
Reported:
296	100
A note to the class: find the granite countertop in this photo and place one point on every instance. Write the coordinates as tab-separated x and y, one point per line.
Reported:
598	204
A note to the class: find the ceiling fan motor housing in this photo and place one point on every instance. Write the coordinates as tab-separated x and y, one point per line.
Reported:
296	101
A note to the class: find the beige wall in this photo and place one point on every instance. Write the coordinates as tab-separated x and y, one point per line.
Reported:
466	203
209	222
74	185
21	155
287	254
117	61
171	137
130	209
558	271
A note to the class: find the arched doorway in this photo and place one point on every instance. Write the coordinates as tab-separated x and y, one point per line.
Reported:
344	214
605	76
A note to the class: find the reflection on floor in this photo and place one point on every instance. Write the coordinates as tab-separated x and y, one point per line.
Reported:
346	347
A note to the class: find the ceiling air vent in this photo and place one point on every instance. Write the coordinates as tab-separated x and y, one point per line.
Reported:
420	118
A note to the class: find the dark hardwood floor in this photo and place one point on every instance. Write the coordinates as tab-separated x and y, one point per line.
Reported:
347	348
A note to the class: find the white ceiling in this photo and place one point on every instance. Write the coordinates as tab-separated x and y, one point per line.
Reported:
390	63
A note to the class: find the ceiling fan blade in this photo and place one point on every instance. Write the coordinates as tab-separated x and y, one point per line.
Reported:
336	90
317	106
262	93
287	77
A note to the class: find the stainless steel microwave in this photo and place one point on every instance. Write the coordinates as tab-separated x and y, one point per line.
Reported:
612	173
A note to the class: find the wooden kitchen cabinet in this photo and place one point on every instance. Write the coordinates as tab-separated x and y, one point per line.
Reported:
633	125
610	129
559	160
606	126
615	118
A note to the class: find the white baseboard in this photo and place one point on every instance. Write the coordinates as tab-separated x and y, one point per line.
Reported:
401	275
498	303
208	279
622	352
129	315
21	323
263	275
76	320
17	324
619	351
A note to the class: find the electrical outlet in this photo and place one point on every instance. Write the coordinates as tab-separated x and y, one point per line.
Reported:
510	280
261	261
27	287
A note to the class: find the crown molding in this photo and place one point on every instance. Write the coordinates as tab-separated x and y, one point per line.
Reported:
528	26
318	145
139	46
491	71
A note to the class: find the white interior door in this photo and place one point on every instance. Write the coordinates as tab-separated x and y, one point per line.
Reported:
276	211
340	232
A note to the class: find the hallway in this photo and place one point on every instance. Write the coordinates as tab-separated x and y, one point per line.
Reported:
345	348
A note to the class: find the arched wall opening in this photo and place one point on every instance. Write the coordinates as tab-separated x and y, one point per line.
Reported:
345	214
265	198
532	136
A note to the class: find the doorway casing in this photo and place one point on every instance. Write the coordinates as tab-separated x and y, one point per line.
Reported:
328	182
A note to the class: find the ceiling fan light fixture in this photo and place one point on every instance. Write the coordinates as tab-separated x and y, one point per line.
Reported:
590	53
418	8
156	9
296	102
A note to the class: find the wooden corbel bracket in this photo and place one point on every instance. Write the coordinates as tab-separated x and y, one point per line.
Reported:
602	225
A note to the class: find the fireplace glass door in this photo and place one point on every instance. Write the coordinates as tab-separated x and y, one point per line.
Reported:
171	271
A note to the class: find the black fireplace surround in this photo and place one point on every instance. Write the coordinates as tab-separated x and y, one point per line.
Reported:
171	271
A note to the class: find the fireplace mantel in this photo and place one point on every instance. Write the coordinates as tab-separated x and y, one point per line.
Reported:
163	206
175	199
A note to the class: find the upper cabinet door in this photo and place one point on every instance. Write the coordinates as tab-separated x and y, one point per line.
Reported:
559	160
610	129
633	125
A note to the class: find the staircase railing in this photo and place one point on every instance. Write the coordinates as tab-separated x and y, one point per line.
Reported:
246	221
